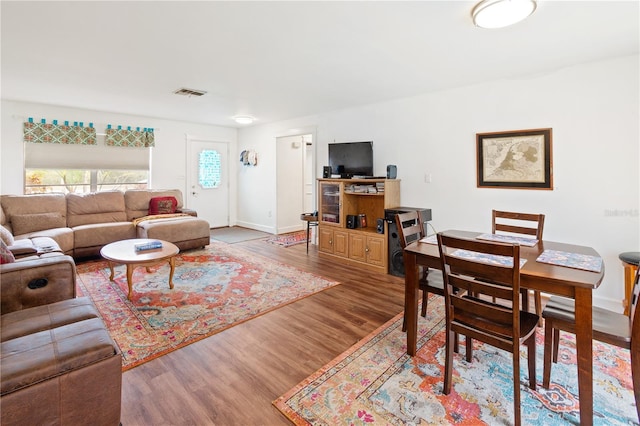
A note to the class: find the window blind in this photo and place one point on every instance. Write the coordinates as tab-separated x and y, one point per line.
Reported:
95	157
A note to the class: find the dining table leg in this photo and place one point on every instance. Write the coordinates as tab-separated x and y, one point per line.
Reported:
411	301
584	348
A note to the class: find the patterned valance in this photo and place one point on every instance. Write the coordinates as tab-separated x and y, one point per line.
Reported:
62	134
130	138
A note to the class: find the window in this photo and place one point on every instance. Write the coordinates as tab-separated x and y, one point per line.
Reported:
82	168
38	181
209	169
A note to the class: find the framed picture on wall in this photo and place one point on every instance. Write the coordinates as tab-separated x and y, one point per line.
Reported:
515	159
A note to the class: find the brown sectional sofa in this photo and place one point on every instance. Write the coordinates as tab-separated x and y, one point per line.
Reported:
81	224
59	364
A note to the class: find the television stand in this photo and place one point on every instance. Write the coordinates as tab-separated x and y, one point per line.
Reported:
343	235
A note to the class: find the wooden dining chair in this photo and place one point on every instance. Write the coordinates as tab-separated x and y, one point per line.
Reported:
609	327
411	228
520	224
468	264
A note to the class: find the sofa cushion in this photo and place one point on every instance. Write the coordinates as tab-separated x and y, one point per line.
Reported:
46	317
6	256
174	229
95	207
27	223
36	357
14	205
6	236
100	234
162	205
61	239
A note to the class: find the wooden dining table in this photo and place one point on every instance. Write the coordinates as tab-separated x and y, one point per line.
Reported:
564	281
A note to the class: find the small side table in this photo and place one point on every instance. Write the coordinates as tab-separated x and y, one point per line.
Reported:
630	261
312	220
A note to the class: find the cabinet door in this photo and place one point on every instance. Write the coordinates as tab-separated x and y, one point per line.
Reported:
325	239
357	247
341	243
375	250
330	203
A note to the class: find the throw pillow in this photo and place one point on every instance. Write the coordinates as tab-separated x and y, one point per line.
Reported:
5	254
162	205
6	236
26	223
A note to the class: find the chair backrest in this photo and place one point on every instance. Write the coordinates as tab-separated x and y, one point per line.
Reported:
518	223
410	227
477	268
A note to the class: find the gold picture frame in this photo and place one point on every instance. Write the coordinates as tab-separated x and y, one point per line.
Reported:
515	159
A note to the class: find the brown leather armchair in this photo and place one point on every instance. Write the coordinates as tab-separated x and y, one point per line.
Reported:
58	363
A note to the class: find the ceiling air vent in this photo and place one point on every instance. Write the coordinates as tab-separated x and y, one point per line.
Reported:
189	92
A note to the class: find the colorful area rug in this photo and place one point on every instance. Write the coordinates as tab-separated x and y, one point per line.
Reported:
290	239
214	288
376	382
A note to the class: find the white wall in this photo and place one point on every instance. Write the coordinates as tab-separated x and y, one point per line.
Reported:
595	115
257	201
168	164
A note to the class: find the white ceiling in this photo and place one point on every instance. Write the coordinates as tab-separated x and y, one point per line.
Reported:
279	60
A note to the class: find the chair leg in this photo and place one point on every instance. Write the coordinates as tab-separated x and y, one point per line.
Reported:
531	360
548	347
516	388
448	360
556	344
468	344
425	298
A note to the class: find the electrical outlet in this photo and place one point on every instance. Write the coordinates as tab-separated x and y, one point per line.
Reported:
427	178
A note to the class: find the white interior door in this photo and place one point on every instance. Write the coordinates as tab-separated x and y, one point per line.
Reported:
208	183
294	160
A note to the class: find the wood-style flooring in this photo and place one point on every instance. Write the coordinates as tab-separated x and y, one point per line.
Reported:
231	378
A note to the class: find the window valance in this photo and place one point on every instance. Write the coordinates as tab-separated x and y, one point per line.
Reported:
130	138
60	134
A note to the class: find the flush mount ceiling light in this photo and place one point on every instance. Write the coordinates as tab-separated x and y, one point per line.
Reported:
243	119
501	13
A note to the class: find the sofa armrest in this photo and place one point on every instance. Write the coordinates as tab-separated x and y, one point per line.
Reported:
36	282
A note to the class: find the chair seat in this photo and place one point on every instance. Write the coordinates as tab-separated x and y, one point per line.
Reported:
608	326
631	257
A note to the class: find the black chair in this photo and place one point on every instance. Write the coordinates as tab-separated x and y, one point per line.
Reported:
470	311
609	327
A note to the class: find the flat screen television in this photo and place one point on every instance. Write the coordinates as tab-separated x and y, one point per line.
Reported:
351	159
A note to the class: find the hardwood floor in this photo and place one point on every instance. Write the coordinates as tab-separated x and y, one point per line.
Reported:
232	378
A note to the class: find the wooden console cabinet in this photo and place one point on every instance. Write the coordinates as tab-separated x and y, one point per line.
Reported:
368	198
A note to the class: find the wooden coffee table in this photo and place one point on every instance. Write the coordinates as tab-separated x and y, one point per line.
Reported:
123	252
